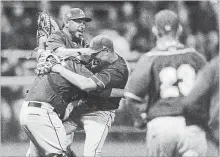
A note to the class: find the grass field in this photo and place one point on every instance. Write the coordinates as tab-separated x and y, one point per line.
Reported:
110	149
129	145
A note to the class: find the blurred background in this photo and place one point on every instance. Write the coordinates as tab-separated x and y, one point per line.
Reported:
128	23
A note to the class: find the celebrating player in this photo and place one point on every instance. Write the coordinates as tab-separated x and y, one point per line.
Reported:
166	74
113	73
46	102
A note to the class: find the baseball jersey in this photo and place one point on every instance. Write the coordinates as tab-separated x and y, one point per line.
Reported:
165	75
113	75
53	88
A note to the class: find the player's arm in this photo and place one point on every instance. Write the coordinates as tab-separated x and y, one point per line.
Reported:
98	81
64	52
56	44
117	92
139	82
82	82
109	93
136	89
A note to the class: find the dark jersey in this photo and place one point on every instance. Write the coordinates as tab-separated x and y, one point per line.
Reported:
52	88
165	76
114	75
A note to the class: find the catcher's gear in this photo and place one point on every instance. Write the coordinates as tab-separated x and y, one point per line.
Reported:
46	25
45	66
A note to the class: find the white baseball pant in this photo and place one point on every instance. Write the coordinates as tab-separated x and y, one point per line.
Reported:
169	136
44	128
96	125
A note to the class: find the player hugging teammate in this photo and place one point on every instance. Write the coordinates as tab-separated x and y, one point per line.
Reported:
95	82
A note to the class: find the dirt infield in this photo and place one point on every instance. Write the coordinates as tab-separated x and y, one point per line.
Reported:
110	149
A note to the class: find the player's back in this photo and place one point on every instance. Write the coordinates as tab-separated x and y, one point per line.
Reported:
173	72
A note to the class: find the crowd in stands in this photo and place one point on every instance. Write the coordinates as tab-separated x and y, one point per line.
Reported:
128	23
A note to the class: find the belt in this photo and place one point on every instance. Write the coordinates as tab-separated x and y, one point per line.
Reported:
34	104
39	105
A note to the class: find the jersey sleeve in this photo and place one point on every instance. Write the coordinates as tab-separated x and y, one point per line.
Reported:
55	41
104	94
139	82
108	78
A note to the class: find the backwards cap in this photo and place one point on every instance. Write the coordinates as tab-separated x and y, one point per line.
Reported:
166	21
76	13
100	42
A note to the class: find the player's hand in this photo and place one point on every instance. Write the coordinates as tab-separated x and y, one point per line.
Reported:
42	68
46	65
57	68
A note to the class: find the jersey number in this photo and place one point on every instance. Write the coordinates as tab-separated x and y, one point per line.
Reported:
176	81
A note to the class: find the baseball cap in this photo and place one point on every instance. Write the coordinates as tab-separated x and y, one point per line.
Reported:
76	13
166	20
99	42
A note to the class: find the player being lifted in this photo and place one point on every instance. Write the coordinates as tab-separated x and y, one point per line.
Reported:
167	74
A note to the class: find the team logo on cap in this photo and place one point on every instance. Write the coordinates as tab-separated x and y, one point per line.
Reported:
81	13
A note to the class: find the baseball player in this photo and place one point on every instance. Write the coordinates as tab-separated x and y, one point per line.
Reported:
113	74
45	106
202	104
166	74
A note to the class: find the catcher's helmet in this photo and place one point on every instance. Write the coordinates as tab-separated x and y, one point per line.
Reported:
76	13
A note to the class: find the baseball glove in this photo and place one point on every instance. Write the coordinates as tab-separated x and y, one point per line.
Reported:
46	25
45	67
